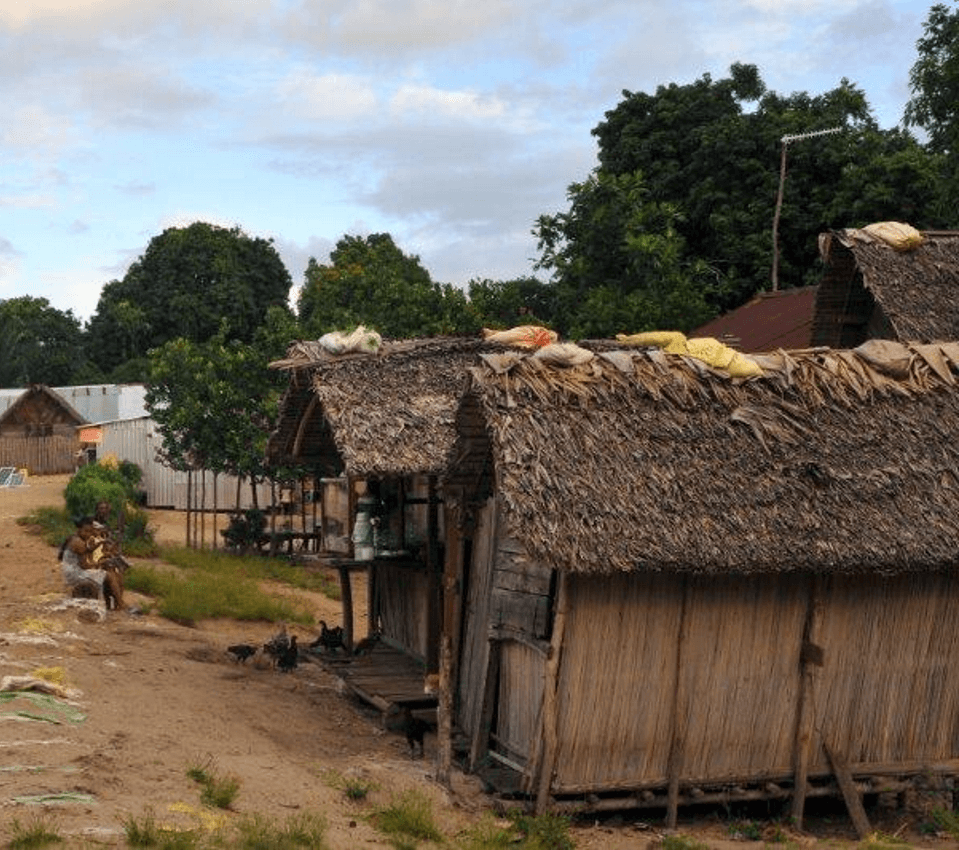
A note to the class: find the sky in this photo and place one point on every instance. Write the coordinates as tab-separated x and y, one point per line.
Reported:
450	124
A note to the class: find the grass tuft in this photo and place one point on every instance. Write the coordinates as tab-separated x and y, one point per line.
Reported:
257	832
33	835
217	791
408	816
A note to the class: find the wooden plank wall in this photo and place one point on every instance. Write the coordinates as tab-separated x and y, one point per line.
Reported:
521	592
52	455
403	594
474	655
520	699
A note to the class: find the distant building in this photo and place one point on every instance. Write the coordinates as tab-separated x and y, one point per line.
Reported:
771	320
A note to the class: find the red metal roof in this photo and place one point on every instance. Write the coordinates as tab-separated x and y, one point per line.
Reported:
781	319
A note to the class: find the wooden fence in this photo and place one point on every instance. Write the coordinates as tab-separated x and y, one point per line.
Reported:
50	455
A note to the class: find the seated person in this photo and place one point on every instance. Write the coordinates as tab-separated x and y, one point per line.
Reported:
79	568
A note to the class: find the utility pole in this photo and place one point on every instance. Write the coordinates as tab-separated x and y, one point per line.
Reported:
779	197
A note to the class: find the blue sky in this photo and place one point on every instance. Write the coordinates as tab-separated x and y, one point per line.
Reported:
451	124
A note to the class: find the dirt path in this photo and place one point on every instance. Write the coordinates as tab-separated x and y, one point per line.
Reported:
149	699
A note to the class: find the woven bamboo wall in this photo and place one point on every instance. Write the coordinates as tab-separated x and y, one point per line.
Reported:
403	605
52	455
888	693
886	696
617	678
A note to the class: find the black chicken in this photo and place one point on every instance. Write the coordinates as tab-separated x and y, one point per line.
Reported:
287	660
241	651
330	639
277	645
414	729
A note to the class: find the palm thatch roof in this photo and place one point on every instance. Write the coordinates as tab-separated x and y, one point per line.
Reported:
382	414
870	290
640	460
39	404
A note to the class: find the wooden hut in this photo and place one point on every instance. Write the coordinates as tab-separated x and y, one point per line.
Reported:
38	432
384	422
869	290
677	587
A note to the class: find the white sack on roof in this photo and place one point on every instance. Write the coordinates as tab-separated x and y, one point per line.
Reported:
360	340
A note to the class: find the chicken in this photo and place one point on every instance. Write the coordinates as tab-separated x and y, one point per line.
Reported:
329	639
367	645
241	651
414	729
288	658
277	645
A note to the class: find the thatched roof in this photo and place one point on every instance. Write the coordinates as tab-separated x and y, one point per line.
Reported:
38	404
870	290
641	460
383	414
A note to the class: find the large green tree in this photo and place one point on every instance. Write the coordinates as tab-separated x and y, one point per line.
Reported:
618	262
370	281
712	149
40	344
505	303
188	282
216	401
934	81
934	105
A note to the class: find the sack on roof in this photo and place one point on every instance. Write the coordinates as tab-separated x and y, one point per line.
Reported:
361	339
895	234
710	351
525	336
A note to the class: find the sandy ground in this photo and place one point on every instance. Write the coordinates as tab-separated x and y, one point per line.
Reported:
149	699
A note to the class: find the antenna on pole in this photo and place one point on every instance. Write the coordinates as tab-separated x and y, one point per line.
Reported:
779	198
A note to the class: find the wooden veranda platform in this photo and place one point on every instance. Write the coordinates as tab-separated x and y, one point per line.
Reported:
384	678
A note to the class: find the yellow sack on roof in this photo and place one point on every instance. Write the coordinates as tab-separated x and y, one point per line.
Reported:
709	350
525	336
672	342
902	237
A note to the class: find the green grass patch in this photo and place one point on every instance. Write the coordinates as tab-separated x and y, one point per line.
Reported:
354	788
257	567
53	524
34	834
257	832
217	791
408	818
212	586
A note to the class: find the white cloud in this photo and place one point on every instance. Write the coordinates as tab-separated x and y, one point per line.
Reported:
326	97
419	100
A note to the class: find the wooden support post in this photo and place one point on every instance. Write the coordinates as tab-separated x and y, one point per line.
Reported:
452	565
674	767
550	707
810	660
433	575
849	791
346	593
480	743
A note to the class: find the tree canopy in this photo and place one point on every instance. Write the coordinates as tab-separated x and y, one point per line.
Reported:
188	282
712	150
370	281
40	344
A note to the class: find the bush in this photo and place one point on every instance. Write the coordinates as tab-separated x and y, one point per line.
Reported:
245	530
117	484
